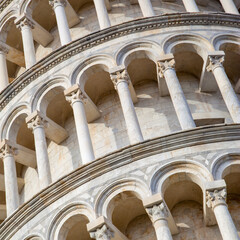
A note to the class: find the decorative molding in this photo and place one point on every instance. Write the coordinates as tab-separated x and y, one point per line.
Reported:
117	159
103	233
158	212
119	76
97	38
216	197
4	4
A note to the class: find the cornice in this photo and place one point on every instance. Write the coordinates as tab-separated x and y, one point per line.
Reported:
140	25
122	157
4	4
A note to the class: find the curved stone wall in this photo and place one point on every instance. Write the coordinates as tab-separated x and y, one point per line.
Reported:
119	119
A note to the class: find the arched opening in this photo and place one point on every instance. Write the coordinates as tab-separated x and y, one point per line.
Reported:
98	86
184	197
75	228
231	175
128	214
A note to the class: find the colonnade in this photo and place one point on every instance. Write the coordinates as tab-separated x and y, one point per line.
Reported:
121	80
25	25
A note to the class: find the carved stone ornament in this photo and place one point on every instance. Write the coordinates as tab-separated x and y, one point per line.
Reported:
7	150
215	61
103	233
76	95
164	65
36	121
119	76
158	212
216	197
54	3
25	22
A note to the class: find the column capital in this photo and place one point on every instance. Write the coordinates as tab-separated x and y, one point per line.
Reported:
35	120
165	63
216	197
158	212
7	149
215	60
24	21
119	76
75	94
102	233
55	3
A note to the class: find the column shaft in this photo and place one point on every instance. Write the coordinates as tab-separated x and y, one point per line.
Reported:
229	6
228	94
84	139
62	23
133	127
42	157
102	14
191	6
11	187
225	222
179	101
146	7
162	230
28	45
3	70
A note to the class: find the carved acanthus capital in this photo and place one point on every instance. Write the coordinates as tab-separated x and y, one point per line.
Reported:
165	65
6	149
103	233
55	3
119	76
25	21
158	212
214	62
36	121
216	197
75	95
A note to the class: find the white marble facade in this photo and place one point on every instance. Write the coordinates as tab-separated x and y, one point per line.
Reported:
119	119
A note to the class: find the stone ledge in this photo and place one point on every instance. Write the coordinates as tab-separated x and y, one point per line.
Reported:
139	25
127	155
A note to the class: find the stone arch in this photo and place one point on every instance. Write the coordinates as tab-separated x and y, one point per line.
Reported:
66	216
189	170
199	44
221	39
137	186
81	71
138	49
225	164
121	203
12	14
34	236
38	102
11	124
93	76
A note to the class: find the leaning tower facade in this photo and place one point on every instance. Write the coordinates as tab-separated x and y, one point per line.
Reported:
119	119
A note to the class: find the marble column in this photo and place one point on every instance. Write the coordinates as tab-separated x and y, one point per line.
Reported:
167	70
26	25
102	233
216	200
61	18
76	97
146	8
158	215
229	6
229	96
191	6
121	81
102	14
3	68
36	123
7	153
